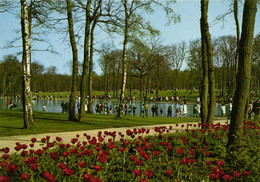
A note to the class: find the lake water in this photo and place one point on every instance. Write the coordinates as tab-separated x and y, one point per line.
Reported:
55	106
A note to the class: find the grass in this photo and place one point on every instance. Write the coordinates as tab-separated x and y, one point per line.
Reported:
11	122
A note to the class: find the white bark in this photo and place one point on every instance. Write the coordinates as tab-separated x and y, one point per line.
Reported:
26	66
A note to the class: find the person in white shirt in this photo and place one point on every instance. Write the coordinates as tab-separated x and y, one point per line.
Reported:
223	110
44	108
185	110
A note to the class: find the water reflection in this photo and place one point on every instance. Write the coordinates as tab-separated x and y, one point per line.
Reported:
55	106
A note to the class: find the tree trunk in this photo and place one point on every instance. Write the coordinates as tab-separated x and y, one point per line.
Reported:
238	34
176	78
204	83
122	95
212	94
73	91
244	73
209	49
113	82
83	89
140	82
158	81
26	67
90	87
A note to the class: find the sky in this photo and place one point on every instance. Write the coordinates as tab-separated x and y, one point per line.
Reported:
186	30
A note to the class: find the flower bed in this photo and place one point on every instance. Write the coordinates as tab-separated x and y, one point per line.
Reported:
193	155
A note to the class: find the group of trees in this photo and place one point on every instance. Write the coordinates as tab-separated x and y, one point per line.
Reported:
71	17
149	68
142	63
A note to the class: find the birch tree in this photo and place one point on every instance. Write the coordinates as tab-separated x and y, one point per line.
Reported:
26	67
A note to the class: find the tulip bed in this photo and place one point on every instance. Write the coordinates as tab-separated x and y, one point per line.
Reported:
193	155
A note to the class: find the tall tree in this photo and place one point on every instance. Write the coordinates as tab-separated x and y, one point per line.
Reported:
244	74
83	85
95	17
237	33
10	76
26	67
207	46
255	81
73	44
132	22
177	56
204	83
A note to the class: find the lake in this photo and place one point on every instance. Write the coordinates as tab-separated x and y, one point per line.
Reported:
55	106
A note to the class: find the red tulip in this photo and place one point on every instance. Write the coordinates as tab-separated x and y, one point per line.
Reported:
168	172
3	164
33	140
12	168
97	168
227	177
6	150
68	171
24	177
34	166
148	173
82	164
62	166
236	174
137	172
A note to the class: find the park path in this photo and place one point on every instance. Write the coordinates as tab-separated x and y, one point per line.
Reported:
10	141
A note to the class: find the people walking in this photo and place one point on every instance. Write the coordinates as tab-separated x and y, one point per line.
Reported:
156	110
195	111
146	109
153	110
198	109
185	110
161	111
142	110
181	110
44	108
134	108
177	113
169	113
63	106
223	110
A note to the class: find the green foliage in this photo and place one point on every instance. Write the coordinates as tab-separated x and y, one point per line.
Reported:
246	157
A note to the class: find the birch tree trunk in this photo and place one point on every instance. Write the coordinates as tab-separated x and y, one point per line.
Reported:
26	67
83	89
73	44
244	74
123	85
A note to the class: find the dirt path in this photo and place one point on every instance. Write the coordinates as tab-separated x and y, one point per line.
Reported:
10	141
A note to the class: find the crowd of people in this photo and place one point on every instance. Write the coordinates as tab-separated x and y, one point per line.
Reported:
180	110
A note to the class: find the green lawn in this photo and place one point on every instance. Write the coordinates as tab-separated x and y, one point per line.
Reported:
11	122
